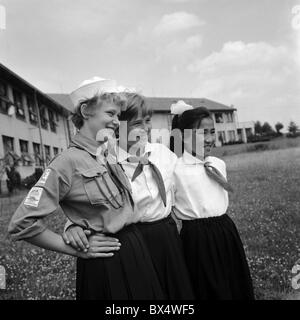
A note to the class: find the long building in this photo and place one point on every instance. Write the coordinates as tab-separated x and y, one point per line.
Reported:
33	126
228	128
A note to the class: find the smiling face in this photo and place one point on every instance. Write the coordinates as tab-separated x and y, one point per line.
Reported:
105	117
137	118
207	124
199	141
138	130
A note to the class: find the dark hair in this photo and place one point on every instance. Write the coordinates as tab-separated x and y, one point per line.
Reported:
189	119
93	103
135	103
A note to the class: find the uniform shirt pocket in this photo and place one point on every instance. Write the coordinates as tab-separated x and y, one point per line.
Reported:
100	188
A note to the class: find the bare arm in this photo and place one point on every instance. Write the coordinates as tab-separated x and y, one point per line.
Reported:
52	241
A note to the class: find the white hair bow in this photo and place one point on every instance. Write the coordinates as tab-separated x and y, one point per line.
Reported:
179	107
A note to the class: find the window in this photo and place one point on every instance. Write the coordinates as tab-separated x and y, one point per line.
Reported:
25	157
8	144
47	154
240	134
33	117
56	116
44	120
3	90
231	134
248	132
51	121
4	102
11	158
170	118
20	113
24	146
221	137
55	151
37	154
219	117
229	117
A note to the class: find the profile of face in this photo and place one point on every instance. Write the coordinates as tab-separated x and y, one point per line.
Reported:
199	141
104	121
138	133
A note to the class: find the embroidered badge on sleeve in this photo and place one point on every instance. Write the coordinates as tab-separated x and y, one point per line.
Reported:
33	197
45	176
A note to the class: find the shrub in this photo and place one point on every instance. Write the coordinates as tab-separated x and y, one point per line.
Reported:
256	138
232	143
258	147
31	180
293	135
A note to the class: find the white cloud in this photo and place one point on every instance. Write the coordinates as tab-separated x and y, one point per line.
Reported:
258	78
180	51
169	52
177	21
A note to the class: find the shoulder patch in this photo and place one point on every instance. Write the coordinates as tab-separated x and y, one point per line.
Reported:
33	197
44	176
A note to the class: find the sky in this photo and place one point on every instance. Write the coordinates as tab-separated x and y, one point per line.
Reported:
237	52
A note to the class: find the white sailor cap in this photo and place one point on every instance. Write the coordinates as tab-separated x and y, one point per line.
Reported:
89	88
179	107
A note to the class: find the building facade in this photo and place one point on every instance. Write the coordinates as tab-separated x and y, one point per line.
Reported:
33	126
228	128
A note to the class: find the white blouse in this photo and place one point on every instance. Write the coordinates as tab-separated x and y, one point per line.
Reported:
145	193
196	195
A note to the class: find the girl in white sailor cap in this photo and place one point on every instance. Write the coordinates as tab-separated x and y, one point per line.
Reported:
150	168
213	249
94	195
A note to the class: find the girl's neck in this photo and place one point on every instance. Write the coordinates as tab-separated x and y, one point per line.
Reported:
136	149
85	131
200	157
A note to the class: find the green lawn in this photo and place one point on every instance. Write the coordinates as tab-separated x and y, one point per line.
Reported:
265	207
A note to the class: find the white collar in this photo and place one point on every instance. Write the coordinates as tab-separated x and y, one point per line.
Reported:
190	159
124	155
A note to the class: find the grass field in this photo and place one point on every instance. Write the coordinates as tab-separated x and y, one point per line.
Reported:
265	207
274	144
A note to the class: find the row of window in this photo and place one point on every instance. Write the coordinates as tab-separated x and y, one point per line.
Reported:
223	117
26	158
46	121
230	134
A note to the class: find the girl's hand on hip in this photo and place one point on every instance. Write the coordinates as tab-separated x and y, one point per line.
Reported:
100	246
76	237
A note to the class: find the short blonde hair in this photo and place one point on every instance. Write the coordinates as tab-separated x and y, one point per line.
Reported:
95	102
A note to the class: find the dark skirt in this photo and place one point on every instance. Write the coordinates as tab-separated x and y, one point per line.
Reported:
128	275
216	259
165	247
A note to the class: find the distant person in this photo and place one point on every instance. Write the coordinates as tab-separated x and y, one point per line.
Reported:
213	249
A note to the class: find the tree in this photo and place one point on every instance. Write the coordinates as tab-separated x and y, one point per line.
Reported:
257	127
278	127
267	129
293	128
